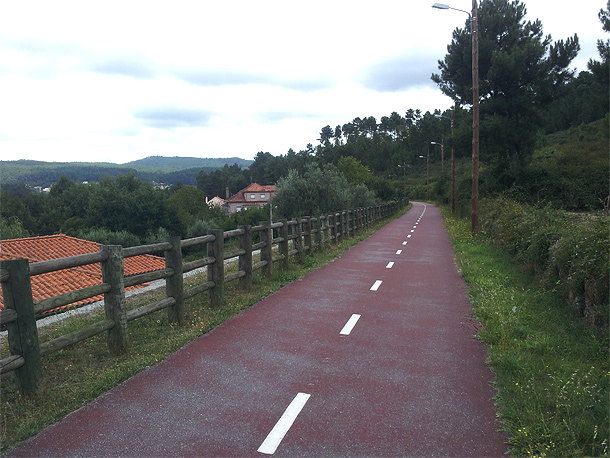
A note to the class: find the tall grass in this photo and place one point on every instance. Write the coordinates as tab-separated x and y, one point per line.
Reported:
551	370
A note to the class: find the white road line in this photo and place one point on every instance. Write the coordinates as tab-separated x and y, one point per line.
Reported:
390	265
398	251
412	230
376	285
350	325
404	243
408	236
414	226
270	444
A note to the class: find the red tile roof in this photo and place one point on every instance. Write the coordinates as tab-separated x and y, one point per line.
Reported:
254	187
51	284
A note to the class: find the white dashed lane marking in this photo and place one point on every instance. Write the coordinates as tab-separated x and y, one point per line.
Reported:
398	251
376	285
390	265
270	444
404	243
350	325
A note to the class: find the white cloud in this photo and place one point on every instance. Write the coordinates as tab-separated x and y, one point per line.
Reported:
118	81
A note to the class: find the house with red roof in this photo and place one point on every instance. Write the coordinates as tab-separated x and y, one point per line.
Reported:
216	202
51	284
251	195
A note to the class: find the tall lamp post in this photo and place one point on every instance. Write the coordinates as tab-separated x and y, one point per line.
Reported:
474	31
452	119
433	143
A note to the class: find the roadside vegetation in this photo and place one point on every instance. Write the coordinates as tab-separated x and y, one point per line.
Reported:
551	368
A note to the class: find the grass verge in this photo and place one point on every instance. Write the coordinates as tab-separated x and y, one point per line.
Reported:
551	371
78	374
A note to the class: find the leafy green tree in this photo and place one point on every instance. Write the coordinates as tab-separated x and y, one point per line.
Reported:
353	170
189	203
12	228
317	192
127	204
215	183
600	68
325	135
519	70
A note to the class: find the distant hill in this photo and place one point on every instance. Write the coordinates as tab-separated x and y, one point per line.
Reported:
167	170
181	163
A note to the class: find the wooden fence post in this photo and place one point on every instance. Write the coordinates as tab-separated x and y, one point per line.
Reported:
216	270
345	224
284	243
307	234
114	300
174	285
326	230
22	333
318	236
245	260
338	228
298	240
267	250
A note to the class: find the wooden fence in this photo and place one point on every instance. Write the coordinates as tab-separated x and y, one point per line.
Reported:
19	316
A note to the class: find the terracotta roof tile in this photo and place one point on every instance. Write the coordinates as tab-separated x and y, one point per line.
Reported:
51	284
254	187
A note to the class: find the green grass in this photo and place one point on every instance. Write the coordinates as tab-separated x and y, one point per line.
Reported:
551	371
78	374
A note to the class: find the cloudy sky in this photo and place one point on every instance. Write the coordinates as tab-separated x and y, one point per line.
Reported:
116	81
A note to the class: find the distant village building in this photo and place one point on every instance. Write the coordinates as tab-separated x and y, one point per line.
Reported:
252	195
216	202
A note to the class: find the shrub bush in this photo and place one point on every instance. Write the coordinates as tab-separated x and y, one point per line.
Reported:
567	251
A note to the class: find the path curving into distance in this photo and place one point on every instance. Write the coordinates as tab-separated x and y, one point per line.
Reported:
371	355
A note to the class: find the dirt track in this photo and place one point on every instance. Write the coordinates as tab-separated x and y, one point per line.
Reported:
373	358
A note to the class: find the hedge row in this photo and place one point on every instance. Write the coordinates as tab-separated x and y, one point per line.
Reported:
568	251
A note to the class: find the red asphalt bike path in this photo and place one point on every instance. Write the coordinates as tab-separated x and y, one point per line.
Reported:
279	379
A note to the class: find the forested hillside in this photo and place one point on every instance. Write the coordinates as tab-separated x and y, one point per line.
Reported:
151	169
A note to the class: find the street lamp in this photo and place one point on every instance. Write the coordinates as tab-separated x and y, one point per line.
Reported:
474	213
452	119
434	143
442	143
404	166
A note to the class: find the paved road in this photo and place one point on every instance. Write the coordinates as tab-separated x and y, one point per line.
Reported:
370	355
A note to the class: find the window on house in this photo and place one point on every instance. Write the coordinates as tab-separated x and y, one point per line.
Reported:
252	196
263	196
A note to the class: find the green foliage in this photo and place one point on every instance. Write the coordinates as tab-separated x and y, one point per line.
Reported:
520	72
317	192
108	237
127	204
12	228
569	251
353	170
200	228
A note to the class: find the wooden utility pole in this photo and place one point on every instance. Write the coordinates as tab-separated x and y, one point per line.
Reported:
474	214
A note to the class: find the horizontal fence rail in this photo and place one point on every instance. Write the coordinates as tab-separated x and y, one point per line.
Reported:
292	238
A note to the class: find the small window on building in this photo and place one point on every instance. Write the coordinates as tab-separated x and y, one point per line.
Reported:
252	196
263	196
238	209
